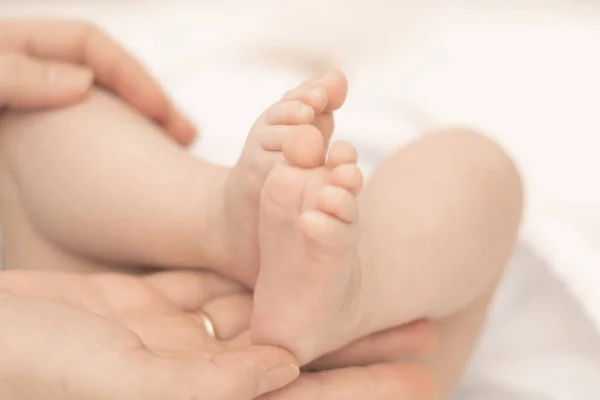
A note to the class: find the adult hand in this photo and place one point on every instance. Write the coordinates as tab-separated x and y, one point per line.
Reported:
114	336
54	63
374	372
109	336
365	369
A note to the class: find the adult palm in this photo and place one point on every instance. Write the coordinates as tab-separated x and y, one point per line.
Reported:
114	336
111	336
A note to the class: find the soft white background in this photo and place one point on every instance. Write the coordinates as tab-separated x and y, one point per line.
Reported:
525	72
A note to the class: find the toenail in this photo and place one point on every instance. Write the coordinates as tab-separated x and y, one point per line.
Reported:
318	99
278	377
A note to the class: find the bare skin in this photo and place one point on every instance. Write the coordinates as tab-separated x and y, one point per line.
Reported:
326	280
53	63
145	336
284	162
213	210
307	108
309	237
156	324
46	64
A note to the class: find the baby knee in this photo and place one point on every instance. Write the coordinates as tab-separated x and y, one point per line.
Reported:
485	168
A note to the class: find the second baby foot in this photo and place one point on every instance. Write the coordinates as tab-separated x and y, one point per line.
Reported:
307	108
306	298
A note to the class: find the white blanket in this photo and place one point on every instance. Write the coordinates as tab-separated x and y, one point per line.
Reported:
526	72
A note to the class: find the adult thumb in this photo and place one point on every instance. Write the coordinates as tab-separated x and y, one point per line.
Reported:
30	83
258	370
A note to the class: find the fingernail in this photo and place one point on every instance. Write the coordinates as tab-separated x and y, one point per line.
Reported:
278	377
70	76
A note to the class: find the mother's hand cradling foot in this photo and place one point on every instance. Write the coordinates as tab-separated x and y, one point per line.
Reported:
369	369
365	369
54	63
111	336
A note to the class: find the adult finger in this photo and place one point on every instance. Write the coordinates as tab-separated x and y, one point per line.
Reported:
191	290
175	333
113	66
404	342
239	375
251	372
230	314
377	382
29	83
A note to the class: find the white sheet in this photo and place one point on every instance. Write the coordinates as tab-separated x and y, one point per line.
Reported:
525	72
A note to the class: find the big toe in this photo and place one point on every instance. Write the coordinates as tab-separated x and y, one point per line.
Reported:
335	84
325	94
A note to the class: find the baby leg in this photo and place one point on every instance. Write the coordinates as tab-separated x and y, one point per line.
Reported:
440	219
437	224
97	184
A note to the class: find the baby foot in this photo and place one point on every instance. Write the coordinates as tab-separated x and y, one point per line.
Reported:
306	297
307	108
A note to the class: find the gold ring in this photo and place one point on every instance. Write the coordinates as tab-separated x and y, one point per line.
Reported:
208	325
